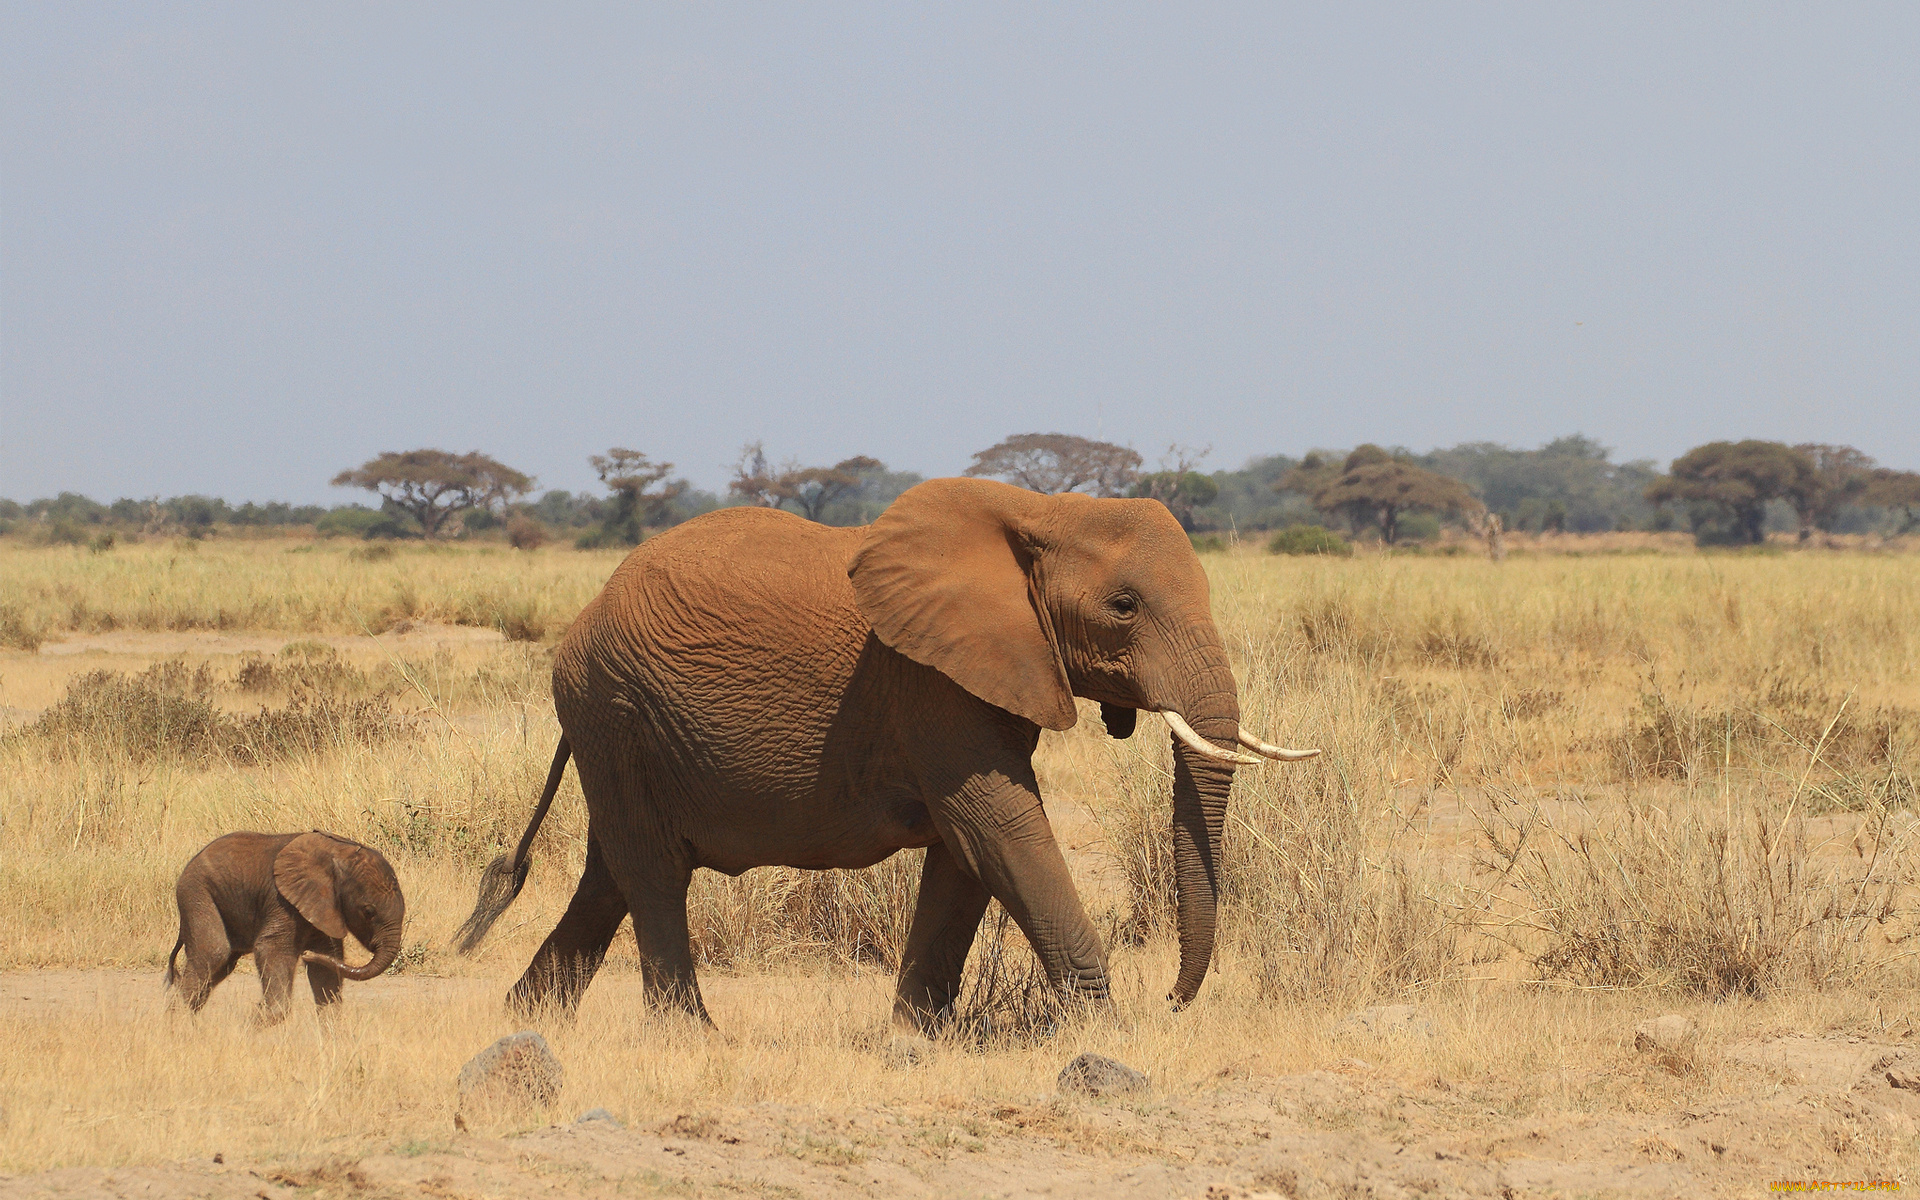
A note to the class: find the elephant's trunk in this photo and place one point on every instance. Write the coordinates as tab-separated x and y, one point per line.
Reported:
1200	786
386	948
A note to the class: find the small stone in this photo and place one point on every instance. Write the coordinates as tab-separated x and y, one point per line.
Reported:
517	1071
1904	1073
1388	1020
1098	1075
599	1116
688	1126
1666	1034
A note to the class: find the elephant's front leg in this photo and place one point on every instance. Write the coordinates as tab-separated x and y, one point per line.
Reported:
996	828
322	979
276	953
945	918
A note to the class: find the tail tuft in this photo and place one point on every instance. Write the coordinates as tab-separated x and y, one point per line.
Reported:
171	955
499	884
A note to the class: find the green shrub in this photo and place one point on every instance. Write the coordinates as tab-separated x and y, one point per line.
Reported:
65	533
1309	539
355	520
1418	527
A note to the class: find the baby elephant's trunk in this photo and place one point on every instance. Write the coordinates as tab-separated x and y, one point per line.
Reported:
386	948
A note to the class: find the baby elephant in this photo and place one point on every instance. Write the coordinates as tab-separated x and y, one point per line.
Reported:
288	898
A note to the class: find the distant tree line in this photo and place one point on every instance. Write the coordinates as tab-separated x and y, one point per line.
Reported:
1721	492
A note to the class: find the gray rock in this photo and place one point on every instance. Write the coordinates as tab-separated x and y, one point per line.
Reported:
1387	1020
599	1116
1098	1075
1667	1034
518	1071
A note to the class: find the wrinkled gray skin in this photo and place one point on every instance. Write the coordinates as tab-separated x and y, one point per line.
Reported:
286	898
752	689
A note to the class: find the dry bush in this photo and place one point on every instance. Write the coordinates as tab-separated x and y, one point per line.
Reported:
17	631
519	621
312	722
303	664
1718	895
168	711
1781	720
525	533
164	710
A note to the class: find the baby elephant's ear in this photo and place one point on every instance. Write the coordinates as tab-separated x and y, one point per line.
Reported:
304	873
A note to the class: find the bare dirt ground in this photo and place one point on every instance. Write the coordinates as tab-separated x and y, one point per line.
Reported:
1784	1107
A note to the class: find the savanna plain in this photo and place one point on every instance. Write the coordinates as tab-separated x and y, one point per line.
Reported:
1561	795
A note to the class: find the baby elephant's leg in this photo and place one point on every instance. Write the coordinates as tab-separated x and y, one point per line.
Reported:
276	952
324	980
206	958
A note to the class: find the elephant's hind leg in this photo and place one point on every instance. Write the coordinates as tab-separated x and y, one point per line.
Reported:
573	952
656	892
207	957
945	918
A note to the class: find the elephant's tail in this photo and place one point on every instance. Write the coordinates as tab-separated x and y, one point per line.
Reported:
178	942
506	875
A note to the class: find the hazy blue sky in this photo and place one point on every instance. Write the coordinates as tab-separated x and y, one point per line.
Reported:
242	247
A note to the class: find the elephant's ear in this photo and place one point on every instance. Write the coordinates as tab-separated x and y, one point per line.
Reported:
305	874
944	577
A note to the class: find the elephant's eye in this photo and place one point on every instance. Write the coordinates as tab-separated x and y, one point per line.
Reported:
1124	605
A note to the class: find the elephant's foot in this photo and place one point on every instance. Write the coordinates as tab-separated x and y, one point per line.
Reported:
537	1006
267	1016
904	1051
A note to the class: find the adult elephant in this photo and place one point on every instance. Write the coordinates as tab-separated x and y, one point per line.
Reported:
752	689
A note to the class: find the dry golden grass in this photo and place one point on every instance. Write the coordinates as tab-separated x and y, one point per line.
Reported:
291	587
1536	770
381	1072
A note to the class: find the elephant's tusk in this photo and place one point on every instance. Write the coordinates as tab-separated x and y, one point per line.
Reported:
1271	751
1200	745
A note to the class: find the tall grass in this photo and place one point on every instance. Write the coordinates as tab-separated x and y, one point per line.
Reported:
290	587
1447	692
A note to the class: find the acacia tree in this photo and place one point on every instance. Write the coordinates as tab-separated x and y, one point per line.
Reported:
1307	477
1374	487
1739	478
1059	462
1899	490
1839	477
433	486
1178	485
631	476
811	490
755	480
